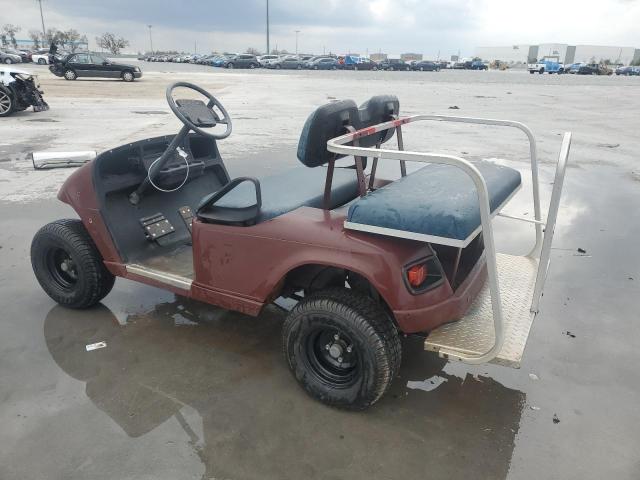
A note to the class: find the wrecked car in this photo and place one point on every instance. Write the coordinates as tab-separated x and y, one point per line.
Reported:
19	90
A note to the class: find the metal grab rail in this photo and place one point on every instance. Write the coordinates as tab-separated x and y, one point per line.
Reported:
338	145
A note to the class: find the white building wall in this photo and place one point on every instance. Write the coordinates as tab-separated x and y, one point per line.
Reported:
588	53
552	50
511	53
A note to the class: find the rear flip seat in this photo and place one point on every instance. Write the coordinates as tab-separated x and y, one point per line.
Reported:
436	201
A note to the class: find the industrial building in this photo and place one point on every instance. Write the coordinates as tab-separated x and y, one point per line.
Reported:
566	53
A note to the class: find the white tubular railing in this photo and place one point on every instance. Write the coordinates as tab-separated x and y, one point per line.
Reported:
533	156
554	206
338	145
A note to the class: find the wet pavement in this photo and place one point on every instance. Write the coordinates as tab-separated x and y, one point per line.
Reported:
185	390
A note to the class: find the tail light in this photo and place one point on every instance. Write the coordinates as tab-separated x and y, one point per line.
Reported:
423	275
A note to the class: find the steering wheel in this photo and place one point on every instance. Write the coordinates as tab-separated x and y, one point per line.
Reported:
185	115
195	115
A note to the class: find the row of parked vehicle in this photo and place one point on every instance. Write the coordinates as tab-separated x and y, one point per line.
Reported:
552	65
12	55
299	62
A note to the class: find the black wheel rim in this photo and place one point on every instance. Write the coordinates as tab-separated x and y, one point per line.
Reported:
332	357
61	268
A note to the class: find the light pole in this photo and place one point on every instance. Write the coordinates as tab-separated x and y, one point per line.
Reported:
297	32
44	33
268	51
150	38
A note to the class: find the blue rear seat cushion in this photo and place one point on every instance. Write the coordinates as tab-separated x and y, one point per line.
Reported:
438	200
298	187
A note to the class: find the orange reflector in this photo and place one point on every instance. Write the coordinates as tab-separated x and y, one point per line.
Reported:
417	274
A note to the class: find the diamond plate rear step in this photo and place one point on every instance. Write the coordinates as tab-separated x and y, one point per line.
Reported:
474	333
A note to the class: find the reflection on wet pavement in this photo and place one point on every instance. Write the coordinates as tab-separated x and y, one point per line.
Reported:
256	421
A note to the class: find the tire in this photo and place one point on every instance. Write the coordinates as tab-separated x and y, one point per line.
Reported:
334	67
342	347
299	67
278	67
7	103
70	75
127	76
8	61
408	68
374	68
315	67
42	61
541	71
422	69
68	266
252	66
229	65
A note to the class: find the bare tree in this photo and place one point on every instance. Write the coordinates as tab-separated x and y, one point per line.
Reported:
9	30
70	39
112	43
253	51
35	36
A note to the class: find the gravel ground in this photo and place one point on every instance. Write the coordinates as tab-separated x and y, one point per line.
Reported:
184	390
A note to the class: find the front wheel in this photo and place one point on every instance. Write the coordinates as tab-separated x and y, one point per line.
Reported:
342	347
128	76
68	266
42	61
229	65
8	61
70	75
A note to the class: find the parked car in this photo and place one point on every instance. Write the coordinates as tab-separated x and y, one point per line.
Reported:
594	69
9	58
393	64
359	63
426	66
573	68
308	63
265	60
628	71
290	62
93	65
19	90
241	61
41	56
24	57
478	65
325	64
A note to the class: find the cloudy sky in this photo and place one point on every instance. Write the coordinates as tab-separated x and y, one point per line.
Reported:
392	26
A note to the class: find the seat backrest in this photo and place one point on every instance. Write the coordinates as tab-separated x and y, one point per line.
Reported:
330	121
378	109
326	122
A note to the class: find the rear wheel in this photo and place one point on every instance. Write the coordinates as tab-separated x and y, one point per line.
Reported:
41	61
70	75
6	103
342	347
8	61
68	266
127	76
229	65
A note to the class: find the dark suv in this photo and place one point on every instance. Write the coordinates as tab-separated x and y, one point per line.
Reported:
394	64
92	65
242	61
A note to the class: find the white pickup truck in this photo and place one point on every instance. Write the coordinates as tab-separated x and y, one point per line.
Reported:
547	64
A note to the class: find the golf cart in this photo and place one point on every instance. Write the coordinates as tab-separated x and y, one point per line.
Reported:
362	259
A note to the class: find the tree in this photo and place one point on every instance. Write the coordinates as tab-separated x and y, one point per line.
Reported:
35	36
69	40
9	30
112	43
253	51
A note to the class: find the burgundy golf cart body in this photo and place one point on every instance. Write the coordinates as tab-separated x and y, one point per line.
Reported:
419	249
